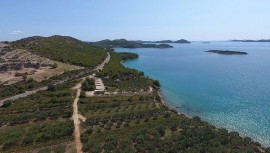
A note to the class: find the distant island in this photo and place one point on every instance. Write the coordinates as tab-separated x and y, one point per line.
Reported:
227	52
123	43
261	40
181	41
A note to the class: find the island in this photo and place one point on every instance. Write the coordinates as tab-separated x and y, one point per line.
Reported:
261	40
227	52
123	43
181	41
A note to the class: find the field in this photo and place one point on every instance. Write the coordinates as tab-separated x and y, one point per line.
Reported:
141	123
39	121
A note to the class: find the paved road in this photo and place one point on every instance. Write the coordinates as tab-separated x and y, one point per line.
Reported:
28	93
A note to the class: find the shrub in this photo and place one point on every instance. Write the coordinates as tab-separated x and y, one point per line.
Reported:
6	104
54	66
156	83
51	87
59	149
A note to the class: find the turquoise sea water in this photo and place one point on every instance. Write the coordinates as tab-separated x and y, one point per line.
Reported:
228	91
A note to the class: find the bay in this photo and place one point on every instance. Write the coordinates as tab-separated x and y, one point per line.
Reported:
229	91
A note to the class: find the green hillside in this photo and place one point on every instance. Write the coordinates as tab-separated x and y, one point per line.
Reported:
64	49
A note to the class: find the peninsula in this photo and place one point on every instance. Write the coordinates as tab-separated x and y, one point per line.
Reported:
123	43
227	52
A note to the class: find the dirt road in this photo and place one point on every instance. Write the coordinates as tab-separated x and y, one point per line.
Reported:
104	62
77	133
76	116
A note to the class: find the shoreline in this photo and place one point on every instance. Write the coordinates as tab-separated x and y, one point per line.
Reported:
168	104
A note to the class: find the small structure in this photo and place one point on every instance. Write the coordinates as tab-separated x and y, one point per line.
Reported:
100	88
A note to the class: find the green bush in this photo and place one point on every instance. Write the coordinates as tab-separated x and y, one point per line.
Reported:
59	149
6	104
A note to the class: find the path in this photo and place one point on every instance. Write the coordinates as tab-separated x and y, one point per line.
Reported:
76	116
77	133
28	93
104	62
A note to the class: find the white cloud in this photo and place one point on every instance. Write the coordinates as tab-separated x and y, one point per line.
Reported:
16	32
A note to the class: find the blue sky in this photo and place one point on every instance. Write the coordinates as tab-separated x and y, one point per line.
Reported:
93	20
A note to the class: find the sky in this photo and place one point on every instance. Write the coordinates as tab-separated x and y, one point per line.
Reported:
93	20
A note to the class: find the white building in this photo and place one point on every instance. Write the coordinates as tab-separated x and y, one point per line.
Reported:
100	88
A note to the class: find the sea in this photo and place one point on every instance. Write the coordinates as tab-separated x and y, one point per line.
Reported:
228	91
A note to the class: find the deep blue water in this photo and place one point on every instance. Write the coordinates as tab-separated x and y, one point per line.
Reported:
230	91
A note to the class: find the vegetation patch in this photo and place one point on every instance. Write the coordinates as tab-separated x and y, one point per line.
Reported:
64	49
124	79
39	120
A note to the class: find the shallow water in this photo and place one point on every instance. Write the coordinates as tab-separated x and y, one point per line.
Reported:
230	91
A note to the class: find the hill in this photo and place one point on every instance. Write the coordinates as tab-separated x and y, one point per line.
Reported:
64	49
164	41
123	43
182	41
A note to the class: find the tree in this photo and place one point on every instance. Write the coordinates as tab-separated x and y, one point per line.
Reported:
6	104
51	87
88	84
54	66
24	76
141	98
156	83
161	130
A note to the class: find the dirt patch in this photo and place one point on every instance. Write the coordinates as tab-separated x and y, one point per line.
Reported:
47	72
16	63
2	45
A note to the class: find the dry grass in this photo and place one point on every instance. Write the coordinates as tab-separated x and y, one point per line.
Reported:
47	72
22	56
